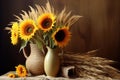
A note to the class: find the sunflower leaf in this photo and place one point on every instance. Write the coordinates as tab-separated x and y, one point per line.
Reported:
46	38
52	44
23	45
39	44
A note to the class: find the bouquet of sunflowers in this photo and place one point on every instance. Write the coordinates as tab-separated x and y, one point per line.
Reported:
43	26
46	27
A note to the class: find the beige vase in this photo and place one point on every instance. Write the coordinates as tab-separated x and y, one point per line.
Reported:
51	62
35	61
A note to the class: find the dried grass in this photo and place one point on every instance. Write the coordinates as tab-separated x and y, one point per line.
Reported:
89	66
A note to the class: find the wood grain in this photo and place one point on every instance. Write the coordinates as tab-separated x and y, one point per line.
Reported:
99	28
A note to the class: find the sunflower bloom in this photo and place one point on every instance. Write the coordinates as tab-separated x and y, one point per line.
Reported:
21	71
14	34
27	29
46	21
11	75
61	36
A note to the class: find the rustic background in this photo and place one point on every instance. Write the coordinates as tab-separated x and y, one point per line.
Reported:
99	28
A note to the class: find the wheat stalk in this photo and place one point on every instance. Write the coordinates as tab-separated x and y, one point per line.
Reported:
88	65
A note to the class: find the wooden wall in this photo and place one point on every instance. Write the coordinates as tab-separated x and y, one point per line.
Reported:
99	28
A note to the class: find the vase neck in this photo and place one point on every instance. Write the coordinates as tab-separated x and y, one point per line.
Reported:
34	49
53	49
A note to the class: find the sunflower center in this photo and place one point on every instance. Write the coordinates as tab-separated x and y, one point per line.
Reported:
11	76
29	29
47	23
60	35
15	34
21	71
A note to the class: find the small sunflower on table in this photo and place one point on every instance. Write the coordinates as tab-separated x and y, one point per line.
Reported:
43	26
21	71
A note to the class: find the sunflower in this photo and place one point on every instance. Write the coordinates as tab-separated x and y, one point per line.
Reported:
14	34
46	21
61	36
27	29
21	71
11	75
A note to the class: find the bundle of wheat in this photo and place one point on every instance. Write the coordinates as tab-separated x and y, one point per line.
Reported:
88	66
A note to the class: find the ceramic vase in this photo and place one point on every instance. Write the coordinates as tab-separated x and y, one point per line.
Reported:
51	62
35	61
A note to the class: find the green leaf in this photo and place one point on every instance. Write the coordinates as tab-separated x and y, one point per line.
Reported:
39	44
23	45
52	43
